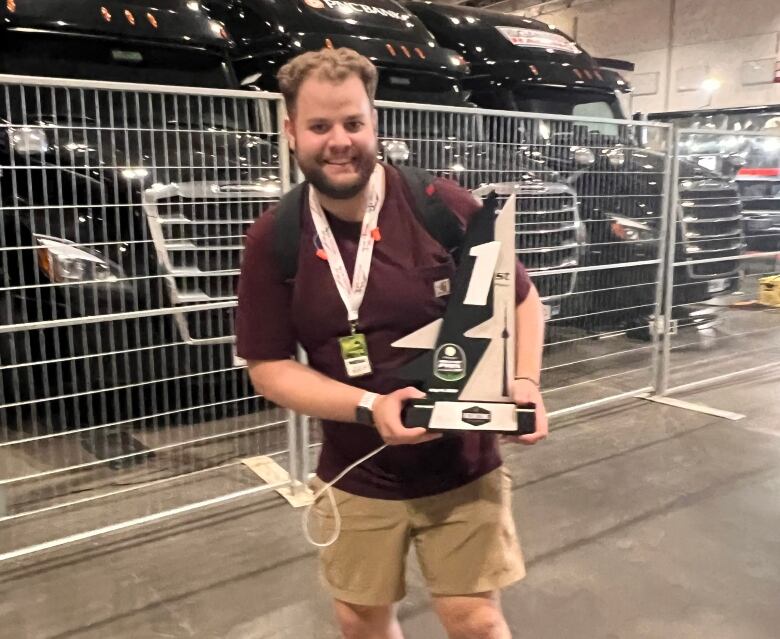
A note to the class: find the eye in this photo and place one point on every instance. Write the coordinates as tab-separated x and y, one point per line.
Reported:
354	126
319	128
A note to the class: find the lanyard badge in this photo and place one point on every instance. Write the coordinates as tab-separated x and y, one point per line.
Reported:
353	347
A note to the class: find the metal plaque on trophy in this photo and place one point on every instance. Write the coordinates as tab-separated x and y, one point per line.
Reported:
469	361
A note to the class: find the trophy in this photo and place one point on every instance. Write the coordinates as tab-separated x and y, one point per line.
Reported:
468	367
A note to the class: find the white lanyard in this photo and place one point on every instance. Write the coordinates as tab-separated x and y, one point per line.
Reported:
351	293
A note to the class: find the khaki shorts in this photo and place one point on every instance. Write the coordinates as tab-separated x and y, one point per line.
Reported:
465	542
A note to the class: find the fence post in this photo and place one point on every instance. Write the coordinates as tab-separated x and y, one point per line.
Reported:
284	147
662	381
305	443
302	424
658	312
293	448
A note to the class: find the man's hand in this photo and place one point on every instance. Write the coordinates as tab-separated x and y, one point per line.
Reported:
387	417
525	391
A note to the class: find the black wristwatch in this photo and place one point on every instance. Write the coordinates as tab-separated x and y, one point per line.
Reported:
364	412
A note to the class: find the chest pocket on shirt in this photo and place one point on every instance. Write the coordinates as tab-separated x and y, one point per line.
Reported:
436	278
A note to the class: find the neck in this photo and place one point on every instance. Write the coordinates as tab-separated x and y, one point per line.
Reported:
351	210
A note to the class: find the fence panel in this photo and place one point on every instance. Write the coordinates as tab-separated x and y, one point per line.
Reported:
123	214
590	228
725	305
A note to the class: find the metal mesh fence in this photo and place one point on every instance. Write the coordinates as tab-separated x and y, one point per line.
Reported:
723	292
123	212
590	228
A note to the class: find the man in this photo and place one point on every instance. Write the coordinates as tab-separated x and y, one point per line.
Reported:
449	496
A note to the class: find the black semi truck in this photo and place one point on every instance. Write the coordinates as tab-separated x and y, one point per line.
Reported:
119	207
743	143
412	66
414	69
520	64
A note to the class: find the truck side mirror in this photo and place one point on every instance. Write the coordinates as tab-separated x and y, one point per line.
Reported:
639	132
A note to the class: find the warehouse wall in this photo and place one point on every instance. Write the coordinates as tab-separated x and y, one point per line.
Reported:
677	44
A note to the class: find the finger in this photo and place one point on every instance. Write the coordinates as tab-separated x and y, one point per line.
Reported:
427	438
401	440
411	433
514	439
531	439
410	392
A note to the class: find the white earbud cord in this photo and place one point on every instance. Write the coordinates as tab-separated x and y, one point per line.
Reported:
336	516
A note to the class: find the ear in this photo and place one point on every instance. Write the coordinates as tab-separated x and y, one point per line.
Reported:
375	120
289	131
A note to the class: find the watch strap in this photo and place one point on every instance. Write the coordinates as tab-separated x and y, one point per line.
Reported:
364	412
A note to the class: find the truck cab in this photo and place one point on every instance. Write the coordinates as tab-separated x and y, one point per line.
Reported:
520	64
92	223
742	143
413	67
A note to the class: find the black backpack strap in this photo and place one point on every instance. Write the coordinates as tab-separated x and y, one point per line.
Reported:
431	211
287	231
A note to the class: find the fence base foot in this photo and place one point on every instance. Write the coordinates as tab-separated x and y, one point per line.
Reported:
697	408
296	493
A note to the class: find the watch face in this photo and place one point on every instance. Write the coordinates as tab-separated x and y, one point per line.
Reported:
364	416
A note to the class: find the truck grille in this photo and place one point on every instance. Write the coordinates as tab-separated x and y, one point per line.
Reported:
711	217
549	233
450	144
198	231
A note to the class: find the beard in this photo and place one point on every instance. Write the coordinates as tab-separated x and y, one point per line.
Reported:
364	162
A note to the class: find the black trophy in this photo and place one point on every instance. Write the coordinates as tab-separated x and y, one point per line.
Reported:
468	365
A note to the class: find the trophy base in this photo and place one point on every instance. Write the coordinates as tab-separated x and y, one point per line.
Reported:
484	417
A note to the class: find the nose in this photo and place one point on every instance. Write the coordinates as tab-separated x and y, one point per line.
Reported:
339	138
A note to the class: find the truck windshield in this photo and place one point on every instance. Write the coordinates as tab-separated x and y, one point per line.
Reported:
758	152
585	104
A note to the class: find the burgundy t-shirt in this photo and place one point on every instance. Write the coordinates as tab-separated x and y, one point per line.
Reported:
273	315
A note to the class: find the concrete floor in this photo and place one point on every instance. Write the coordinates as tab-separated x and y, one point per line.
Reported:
638	521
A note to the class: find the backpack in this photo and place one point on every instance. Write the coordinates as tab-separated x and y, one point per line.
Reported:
429	209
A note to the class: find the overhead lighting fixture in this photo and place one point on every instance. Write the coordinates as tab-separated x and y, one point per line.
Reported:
711	85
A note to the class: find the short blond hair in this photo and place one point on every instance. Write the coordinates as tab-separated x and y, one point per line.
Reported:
332	65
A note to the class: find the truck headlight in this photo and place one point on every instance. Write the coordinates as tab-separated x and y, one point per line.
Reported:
63	261
629	230
736	160
396	151
616	157
28	141
583	156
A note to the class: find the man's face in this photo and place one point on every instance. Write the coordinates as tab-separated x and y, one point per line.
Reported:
333	133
